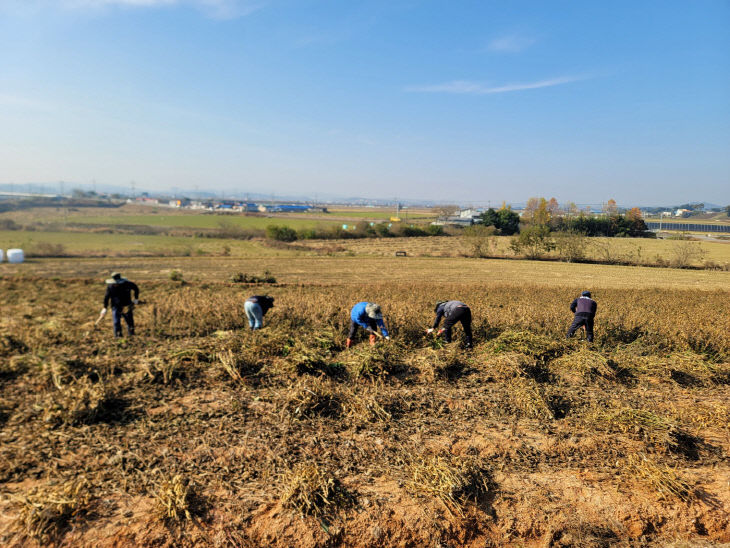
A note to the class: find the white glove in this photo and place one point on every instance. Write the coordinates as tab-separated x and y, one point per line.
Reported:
135	301
103	311
387	338
429	330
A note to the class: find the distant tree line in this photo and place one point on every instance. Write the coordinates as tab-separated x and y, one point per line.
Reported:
284	233
614	225
549	217
506	221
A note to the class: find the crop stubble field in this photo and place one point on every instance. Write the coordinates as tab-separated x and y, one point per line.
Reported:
198	431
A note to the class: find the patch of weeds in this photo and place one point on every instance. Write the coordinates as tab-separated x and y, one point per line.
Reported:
78	402
685	444
585	364
372	362
649	426
13	367
313	491
579	534
310	398
305	359
526	398
664	479
366	407
160	370
454	480
540	347
559	405
238	366
176	501
442	363
10	345
45	512
242	278
689	369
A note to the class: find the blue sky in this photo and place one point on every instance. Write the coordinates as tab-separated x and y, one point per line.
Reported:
467	101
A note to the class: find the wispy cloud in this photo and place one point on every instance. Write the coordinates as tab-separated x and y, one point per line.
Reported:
219	9
465	87
25	103
513	43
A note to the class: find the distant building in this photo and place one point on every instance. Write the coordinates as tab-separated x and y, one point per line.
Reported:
179	202
145	200
465	217
468	213
283	208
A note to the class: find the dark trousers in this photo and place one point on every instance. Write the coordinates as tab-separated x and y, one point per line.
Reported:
117	314
353	327
462	315
579	321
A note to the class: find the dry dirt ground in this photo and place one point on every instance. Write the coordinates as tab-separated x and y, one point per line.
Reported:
200	432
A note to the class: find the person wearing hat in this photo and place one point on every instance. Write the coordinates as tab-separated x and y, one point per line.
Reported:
255	308
370	318
119	294
584	309
453	312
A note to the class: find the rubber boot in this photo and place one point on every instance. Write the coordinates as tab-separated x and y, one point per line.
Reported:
373	338
348	343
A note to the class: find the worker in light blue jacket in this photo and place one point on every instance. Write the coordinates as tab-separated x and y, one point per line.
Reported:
370	318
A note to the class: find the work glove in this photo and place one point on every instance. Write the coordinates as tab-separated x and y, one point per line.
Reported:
103	311
135	301
429	330
387	338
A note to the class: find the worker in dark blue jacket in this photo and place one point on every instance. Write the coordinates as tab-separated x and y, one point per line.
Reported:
453	312
119	294
584	309
370	318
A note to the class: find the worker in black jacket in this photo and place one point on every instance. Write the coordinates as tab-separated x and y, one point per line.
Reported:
453	312
584	309
119	294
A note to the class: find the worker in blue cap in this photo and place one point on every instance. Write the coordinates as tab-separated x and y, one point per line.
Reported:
584	308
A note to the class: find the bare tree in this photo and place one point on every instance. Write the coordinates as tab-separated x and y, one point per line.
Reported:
480	241
571	245
610	207
445	210
685	252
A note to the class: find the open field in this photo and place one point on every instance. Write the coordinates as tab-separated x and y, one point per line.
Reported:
640	251
111	245
377	270
199	432
632	249
185	218
201	220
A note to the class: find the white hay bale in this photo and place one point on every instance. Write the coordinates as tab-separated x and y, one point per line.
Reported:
16	256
